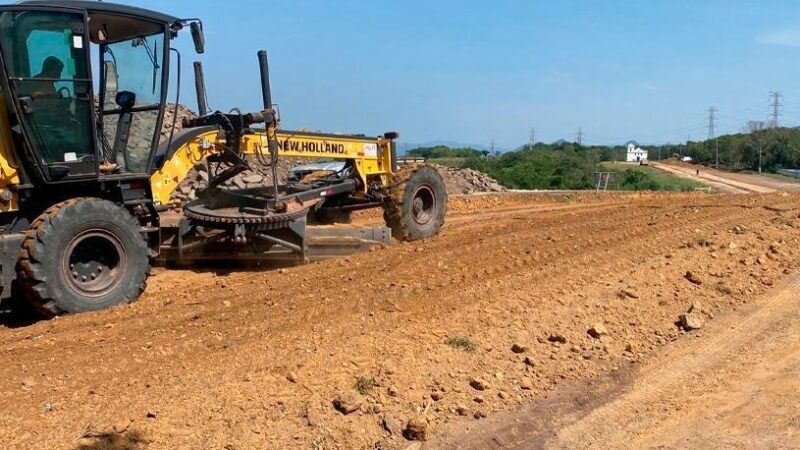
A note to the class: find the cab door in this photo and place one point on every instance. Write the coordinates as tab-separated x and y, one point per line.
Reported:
46	58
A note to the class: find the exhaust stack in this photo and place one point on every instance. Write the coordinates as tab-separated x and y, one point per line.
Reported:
266	90
200	88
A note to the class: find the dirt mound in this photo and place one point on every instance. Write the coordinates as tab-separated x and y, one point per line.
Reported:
197	178
169	114
467	181
457	181
259	176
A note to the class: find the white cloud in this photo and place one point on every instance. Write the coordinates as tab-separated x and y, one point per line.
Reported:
786	37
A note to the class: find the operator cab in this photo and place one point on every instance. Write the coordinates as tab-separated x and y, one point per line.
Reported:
70	128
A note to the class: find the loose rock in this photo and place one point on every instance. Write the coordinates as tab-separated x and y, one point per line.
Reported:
529	361
346	404
416	429
478	384
517	348
630	294
598	330
691	321
392	425
692	278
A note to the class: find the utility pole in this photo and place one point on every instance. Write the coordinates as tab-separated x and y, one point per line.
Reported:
686	146
712	123
579	136
776	107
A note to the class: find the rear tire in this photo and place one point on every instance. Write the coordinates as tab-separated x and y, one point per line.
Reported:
415	205
81	255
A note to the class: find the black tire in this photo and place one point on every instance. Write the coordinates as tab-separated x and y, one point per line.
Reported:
82	255
415	204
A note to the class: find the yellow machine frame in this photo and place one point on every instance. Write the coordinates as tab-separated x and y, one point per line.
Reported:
372	157
9	200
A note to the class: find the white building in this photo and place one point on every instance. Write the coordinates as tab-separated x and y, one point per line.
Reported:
636	154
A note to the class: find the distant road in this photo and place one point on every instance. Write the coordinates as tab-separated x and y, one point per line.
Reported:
730	182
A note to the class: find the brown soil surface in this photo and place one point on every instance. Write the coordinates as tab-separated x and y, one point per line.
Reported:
256	359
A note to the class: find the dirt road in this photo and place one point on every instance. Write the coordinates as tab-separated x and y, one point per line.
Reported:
735	386
729	182
275	359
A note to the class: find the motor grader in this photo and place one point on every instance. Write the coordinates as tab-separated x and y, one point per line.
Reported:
86	175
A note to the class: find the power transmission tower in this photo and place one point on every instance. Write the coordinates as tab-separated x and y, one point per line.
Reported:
579	136
533	137
492	146
712	124
776	107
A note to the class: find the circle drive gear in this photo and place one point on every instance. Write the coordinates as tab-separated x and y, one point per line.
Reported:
200	213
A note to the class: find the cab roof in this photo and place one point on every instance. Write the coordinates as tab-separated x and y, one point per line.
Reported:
111	22
103	7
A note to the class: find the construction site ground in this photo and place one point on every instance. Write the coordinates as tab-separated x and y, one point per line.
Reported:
478	329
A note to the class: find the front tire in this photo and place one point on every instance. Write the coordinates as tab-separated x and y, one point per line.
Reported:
83	255
415	205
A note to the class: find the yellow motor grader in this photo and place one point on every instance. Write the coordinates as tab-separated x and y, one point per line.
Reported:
86	177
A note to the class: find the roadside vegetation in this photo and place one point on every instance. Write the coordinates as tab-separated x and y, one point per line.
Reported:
568	165
557	166
630	177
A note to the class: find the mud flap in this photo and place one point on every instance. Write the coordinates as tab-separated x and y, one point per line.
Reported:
10	245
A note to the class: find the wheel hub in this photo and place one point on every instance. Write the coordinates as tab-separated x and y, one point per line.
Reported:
94	263
423	205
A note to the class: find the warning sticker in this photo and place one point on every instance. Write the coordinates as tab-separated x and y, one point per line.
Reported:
371	150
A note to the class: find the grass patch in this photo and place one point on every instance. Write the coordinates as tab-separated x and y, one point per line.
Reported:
465	343
364	384
704	242
632	177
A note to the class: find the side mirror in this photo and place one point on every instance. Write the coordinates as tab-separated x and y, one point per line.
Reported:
111	80
198	38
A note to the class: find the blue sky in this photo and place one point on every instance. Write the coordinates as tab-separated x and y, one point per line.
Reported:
476	71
